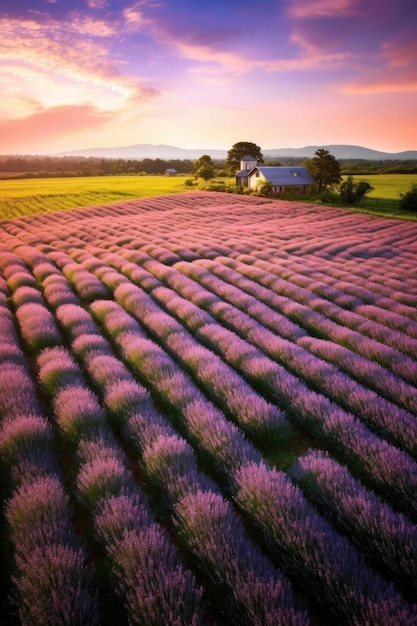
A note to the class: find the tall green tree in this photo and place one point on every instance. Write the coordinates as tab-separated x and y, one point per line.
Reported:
238	151
204	161
205	172
324	169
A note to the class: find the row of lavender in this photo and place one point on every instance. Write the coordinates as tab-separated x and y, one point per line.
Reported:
53	582
386	465
119	325
145	569
218	346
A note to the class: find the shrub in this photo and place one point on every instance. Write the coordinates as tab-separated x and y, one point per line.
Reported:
266	189
351	192
408	200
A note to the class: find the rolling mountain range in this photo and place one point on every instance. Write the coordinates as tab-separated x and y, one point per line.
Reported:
161	151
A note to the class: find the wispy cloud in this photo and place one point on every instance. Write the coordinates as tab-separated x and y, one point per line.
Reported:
383	85
97	4
393	69
325	8
65	64
49	123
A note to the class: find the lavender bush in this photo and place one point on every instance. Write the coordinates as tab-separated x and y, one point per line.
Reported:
324	563
385	535
162	334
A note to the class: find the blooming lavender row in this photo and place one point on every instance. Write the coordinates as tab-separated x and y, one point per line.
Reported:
224	445
310	546
382	379
325	564
244	585
390	421
143	559
387	289
254	592
36	322
226	292
257	417
389	357
384	382
347	289
383	534
87	286
383	465
53	581
389	318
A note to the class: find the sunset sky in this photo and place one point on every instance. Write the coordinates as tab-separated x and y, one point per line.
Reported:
78	74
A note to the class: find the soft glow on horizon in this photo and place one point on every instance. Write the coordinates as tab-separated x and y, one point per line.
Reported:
76	75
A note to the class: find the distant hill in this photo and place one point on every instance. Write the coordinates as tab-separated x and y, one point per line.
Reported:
147	151
342	152
161	151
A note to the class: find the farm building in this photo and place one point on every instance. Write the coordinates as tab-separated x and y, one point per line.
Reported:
171	171
282	177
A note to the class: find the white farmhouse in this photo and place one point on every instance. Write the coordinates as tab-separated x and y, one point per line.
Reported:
282	177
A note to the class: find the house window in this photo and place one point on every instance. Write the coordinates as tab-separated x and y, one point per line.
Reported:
257	174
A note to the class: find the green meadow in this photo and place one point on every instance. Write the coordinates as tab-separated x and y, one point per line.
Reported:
20	197
384	198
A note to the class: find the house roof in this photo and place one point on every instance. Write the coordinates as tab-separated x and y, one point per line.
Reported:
284	175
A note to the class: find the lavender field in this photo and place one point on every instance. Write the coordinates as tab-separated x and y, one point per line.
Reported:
208	415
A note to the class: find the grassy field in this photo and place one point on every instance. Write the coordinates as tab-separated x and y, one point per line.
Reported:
46	195
387	188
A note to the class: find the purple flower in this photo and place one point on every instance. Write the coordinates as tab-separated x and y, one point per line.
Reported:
102	478
25	433
17	391
78	411
386	536
37	325
55	587
76	320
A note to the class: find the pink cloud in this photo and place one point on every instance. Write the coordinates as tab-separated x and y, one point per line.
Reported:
94	27
401	54
57	64
97	4
383	85
325	8
47	124
392	71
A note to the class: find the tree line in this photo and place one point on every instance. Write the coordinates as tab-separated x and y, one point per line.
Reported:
89	166
47	166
